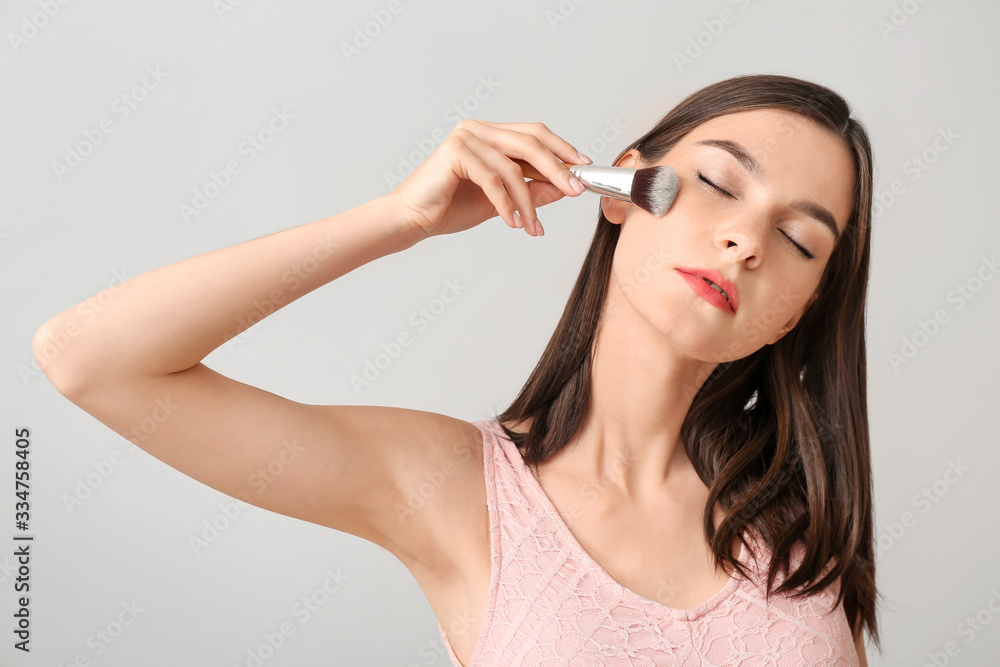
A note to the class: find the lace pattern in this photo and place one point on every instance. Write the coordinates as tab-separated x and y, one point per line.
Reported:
550	604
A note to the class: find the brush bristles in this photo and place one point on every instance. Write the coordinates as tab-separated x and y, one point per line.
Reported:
654	189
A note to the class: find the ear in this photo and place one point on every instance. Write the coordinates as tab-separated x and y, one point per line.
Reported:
790	324
614	209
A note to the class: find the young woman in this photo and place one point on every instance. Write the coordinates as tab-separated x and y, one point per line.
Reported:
683	479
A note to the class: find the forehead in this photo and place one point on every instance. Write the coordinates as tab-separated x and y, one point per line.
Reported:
798	157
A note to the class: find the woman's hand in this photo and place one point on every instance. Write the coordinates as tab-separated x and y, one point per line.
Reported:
471	177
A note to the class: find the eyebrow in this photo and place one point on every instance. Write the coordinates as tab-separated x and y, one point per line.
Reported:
750	164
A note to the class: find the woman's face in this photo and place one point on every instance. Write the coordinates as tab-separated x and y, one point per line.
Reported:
781	174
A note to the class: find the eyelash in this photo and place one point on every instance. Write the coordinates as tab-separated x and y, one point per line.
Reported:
803	251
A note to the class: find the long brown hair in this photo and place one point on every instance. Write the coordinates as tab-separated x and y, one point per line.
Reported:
780	437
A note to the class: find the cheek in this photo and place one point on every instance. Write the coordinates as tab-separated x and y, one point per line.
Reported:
694	205
644	258
765	320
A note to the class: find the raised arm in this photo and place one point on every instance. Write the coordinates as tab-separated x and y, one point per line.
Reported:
169	319
135	363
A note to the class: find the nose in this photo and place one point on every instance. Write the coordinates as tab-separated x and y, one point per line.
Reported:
744	238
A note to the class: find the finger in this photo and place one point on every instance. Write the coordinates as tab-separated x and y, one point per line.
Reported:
544	193
538	145
559	146
510	176
473	167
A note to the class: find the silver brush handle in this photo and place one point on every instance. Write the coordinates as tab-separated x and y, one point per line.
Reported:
613	182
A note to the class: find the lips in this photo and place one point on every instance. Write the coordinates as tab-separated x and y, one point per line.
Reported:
715	281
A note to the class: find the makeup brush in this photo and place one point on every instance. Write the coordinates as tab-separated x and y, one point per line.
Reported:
652	189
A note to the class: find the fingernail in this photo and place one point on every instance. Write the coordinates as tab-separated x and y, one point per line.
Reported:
585	158
541	230
577	186
517	220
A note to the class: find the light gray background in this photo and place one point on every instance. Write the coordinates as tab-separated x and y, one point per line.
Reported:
583	69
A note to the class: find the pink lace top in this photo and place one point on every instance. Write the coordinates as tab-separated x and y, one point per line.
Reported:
551	604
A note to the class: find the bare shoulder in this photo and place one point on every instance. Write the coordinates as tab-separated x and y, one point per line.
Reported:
410	481
435	516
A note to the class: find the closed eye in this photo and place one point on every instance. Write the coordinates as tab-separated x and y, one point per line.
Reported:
714	186
805	252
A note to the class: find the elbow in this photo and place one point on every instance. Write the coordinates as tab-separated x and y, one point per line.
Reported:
51	347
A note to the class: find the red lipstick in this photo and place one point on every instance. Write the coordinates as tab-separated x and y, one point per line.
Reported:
700	279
